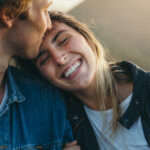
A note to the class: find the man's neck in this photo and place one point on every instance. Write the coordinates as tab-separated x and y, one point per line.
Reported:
2	91
4	62
5	54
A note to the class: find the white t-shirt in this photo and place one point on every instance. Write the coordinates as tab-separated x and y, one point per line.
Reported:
4	100
125	139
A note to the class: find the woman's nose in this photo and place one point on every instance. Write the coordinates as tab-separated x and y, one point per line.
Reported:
60	59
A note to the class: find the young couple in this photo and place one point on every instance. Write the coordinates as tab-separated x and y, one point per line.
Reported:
108	102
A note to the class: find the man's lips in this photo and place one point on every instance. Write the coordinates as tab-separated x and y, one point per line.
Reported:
43	38
45	34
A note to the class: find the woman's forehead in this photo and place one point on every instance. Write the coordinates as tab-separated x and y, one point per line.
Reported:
58	26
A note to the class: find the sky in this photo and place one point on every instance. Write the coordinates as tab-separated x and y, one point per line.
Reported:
65	5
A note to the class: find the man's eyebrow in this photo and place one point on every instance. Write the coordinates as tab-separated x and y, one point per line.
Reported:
57	35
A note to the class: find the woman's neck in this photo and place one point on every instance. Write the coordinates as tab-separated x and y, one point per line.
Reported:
91	98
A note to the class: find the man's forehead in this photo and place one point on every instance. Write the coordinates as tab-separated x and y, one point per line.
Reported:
43	2
46	2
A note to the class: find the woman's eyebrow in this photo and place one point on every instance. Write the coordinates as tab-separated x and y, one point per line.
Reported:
57	35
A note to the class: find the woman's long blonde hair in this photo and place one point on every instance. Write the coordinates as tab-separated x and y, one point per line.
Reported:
106	73
105	81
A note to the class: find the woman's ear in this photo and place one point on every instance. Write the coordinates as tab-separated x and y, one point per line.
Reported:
6	20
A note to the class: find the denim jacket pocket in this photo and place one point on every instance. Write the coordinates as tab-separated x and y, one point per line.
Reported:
51	146
3	147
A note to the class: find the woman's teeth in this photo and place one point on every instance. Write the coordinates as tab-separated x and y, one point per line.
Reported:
72	69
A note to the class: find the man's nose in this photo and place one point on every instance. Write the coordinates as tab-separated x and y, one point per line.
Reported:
49	22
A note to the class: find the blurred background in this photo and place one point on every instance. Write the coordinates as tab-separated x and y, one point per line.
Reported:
122	26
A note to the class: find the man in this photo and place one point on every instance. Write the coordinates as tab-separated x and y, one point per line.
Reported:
32	112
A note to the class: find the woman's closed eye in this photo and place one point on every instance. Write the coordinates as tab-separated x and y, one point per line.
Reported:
63	41
43	58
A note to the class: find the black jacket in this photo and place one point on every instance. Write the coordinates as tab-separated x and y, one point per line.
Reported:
139	107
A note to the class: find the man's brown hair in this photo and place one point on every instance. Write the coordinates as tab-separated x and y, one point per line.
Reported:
14	8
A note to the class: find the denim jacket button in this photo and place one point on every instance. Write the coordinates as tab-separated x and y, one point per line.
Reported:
15	97
75	117
137	102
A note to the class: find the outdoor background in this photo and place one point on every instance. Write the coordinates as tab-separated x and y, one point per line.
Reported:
122	26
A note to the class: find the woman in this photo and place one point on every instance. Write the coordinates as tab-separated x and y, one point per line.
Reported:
108	102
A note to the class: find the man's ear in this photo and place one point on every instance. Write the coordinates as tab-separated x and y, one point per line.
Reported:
6	19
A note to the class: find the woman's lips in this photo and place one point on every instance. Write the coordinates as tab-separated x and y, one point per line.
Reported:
70	72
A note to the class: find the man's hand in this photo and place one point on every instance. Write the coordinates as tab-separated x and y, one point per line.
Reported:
71	146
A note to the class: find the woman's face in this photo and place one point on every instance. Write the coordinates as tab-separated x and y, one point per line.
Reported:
66	59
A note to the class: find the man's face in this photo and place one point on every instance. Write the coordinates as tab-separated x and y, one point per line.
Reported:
27	35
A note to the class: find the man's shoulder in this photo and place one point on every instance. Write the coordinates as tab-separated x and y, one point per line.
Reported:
27	76
28	83
35	88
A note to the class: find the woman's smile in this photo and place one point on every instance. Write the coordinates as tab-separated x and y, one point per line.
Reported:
71	72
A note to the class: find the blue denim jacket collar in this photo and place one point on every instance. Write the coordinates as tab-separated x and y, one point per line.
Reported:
14	94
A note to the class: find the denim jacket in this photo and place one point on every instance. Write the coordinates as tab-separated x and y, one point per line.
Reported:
139	107
35	115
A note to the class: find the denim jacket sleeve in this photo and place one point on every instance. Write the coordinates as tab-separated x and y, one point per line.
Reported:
35	116
67	134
